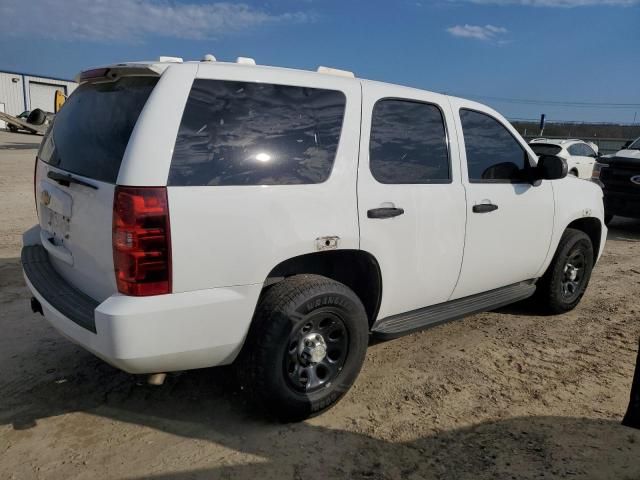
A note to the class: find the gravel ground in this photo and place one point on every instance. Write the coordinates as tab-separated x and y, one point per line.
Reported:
507	394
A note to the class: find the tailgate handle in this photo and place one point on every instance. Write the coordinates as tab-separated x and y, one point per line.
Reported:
58	251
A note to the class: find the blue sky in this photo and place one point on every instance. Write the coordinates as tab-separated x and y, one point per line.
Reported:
503	52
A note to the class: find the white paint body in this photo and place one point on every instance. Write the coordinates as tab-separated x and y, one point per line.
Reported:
226	240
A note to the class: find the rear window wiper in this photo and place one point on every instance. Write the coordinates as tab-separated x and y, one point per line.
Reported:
66	180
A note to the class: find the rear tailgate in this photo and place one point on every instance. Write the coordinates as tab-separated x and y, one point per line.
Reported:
87	143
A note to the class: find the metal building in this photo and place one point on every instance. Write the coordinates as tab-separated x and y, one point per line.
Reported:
22	91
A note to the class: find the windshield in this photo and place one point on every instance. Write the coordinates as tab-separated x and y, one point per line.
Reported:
635	145
91	132
545	149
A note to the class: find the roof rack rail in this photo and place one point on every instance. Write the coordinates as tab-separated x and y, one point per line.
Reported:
170	59
335	71
245	61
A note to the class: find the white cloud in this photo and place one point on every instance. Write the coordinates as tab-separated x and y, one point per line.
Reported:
132	20
478	32
557	3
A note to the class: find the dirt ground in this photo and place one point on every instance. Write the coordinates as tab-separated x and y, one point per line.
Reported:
507	394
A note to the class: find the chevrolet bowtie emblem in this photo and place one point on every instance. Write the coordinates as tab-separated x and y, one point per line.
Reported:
45	197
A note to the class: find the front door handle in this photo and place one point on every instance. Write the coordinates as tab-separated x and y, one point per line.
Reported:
384	212
484	208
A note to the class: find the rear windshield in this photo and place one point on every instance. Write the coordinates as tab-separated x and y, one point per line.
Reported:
545	149
242	133
90	133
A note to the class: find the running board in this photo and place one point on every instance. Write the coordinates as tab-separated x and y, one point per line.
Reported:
404	323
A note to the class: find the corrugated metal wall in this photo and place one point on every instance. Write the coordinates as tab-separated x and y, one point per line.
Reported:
15	90
11	93
67	87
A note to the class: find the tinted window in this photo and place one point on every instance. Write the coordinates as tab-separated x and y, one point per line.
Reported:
493	155
588	151
91	132
238	133
576	149
545	149
408	143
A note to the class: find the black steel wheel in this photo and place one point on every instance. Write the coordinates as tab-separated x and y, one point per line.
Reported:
565	281
318	348
573	273
305	348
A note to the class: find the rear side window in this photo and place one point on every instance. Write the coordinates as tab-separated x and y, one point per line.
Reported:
91	132
576	149
545	149
241	133
408	143
493	154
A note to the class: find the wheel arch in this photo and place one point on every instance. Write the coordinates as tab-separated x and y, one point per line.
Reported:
357	269
592	227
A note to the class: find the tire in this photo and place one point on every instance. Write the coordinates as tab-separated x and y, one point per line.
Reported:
574	172
607	219
36	117
12	128
560	289
280	370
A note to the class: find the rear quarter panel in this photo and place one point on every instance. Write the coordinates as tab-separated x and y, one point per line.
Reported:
235	235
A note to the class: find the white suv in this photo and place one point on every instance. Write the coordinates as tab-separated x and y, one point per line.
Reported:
580	156
204	213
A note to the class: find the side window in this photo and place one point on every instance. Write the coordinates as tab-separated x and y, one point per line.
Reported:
493	155
576	150
588	151
243	133
408	143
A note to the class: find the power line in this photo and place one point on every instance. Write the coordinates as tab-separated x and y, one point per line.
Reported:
556	103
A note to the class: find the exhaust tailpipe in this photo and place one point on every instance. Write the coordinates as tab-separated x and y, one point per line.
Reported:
156	378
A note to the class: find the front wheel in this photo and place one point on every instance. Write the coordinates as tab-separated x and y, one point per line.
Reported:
563	285
305	348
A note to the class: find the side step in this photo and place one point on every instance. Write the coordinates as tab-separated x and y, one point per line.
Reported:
404	323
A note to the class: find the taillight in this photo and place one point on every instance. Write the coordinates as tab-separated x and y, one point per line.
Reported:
142	241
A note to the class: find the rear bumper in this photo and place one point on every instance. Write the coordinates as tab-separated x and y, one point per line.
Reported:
623	204
161	333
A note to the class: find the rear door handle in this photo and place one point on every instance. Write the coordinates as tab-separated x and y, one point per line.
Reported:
484	208
384	212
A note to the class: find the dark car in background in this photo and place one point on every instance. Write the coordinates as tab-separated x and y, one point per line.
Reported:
619	176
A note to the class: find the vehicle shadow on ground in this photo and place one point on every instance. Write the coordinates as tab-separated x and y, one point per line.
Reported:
624	229
207	405
204	405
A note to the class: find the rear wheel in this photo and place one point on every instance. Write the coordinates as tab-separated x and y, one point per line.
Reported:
563	285
573	172
306	346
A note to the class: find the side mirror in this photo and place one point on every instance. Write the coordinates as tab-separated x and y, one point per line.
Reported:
551	167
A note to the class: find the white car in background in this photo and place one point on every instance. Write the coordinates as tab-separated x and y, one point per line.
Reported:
580	155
